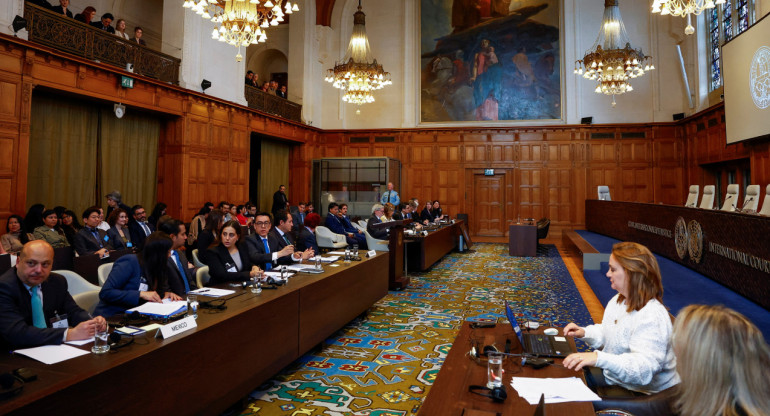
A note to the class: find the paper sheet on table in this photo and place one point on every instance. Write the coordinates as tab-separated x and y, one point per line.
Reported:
330	259
52	354
160	309
341	253
212	292
556	390
80	342
298	267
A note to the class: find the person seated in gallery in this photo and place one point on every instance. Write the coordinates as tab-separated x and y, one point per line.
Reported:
306	235
90	239
263	246
63	8
632	345
119	235
229	260
10	241
209	237
722	359
138	278
70	225
86	15
105	23
377	211
36	308
50	231
138	31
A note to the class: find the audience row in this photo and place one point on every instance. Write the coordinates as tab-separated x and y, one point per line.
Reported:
87	16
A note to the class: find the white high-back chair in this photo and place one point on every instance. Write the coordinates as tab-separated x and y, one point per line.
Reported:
104	272
707	202
76	283
196	260
766	205
692	197
202	276
751	201
87	300
327	239
604	193
375	244
731	197
363	223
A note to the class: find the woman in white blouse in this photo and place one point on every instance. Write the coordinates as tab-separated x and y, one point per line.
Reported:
120	29
633	342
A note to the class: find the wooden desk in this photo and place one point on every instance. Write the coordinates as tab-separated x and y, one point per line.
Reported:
208	369
449	395
728	247
522	240
423	252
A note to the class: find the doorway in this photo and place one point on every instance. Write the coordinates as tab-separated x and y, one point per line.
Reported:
489	202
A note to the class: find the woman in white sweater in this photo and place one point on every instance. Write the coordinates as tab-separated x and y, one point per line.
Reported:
633	342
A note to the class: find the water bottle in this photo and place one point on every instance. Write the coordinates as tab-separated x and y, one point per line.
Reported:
347	255
318	262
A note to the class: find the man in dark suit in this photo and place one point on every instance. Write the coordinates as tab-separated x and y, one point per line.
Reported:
282	233
139	227
306	236
377	212
263	246
181	274
349	228
31	297
105	23
299	216
280	201
138	31
92	240
334	223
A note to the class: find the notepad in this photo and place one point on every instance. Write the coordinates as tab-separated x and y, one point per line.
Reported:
556	390
52	354
212	292
160	309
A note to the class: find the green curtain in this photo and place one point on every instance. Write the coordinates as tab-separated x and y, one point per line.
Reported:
273	172
128	149
62	154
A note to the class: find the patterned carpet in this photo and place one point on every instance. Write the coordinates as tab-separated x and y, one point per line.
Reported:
385	363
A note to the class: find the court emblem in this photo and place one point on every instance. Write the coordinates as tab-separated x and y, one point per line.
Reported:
759	78
681	238
695	247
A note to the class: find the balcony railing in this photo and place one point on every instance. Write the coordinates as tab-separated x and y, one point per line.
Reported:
271	104
66	34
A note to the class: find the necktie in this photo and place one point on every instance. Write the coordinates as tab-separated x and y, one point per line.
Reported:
268	266
146	228
286	239
181	271
38	317
389	195
96	236
301	218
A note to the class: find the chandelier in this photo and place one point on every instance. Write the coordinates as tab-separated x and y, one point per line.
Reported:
241	22
358	74
684	8
612	60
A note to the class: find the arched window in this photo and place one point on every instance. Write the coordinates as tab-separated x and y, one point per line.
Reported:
724	22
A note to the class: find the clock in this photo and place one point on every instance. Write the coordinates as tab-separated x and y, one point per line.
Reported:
120	110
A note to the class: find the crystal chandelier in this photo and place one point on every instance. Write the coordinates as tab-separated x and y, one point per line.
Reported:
358	74
684	8
611	60
241	22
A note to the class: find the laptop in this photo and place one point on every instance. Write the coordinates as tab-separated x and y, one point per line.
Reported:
540	344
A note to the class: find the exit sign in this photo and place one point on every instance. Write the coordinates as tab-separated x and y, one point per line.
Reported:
489	172
126	82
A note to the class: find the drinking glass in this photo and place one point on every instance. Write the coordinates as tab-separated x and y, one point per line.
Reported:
494	370
100	341
192	305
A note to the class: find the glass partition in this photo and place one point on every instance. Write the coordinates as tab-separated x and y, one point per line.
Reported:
358	182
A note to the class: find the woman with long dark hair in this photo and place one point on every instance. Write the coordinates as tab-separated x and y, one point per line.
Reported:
70	225
229	260
208	237
138	278
197	225
157	212
32	220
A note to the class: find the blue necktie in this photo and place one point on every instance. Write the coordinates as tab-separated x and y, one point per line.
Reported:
268	266
38	316
96	236
181	271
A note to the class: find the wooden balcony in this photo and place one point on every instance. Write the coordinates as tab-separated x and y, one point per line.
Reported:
272	104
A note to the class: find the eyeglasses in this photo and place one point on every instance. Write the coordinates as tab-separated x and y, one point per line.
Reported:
262	224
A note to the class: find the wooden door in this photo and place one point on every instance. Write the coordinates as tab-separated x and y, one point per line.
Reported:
488	215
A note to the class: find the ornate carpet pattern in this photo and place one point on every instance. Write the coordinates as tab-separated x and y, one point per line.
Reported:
384	363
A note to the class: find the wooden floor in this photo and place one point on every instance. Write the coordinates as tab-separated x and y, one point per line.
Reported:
595	308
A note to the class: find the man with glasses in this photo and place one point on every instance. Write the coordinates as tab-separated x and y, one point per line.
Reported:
35	306
90	239
264	250
139	227
377	211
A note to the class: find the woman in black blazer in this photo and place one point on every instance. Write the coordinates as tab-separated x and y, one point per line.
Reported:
118	232
208	237
426	215
229	261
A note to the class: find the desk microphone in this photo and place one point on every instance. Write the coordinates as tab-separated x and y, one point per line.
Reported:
116	341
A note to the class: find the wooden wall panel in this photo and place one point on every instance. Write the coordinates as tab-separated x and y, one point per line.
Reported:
421	154
530	185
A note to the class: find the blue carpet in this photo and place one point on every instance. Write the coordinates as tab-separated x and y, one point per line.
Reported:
681	287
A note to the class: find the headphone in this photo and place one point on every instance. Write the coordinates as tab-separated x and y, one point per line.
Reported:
115	341
134	319
497	394
11	385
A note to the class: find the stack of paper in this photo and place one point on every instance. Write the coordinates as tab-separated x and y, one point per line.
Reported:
212	292
330	259
556	390
299	266
160	309
52	354
341	253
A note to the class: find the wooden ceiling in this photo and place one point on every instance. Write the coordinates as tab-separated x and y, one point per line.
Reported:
323	10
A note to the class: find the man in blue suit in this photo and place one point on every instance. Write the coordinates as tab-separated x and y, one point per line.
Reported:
349	228
335	224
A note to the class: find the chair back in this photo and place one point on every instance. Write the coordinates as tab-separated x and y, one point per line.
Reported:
76	283
375	244
358	226
751	202
692	197
707	202
766	205
604	193
327	239
202	276
731	197
104	272
196	260
363	223
542	228
87	300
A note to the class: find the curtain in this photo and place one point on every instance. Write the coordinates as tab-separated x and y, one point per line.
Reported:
62	154
128	149
273	172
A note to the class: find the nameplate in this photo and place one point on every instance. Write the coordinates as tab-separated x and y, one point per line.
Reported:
175	328
371	253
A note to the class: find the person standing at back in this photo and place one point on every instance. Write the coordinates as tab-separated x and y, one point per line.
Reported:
280	201
390	196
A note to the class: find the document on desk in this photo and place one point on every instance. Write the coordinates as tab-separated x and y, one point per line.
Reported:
339	253
160	309
212	292
298	267
52	354
80	342
556	390
330	259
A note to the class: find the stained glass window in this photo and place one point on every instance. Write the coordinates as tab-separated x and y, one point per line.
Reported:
723	23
